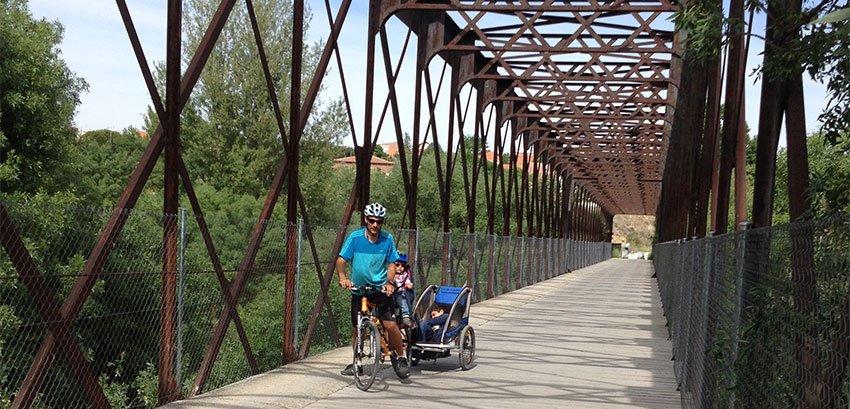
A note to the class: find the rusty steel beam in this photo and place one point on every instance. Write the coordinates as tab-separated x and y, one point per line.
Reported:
61	328
512	6
326	280
735	73
216	262
385	48
676	198
295	122
773	96
245	268
141	60
168	390
708	154
264	63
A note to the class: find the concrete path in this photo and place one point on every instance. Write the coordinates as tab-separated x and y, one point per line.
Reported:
593	338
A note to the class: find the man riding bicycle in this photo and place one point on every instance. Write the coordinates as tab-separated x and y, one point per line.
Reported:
372	255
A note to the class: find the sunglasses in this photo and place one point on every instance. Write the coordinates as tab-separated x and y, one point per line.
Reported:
375	221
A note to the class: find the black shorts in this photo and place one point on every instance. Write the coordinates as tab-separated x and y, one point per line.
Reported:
385	303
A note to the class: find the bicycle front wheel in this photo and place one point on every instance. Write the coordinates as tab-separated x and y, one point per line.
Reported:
367	355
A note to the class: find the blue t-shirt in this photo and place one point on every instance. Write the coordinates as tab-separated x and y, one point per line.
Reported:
369	260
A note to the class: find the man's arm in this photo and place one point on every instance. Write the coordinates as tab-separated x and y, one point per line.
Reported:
388	286
344	282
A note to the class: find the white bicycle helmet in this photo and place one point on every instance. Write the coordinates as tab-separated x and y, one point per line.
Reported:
375	210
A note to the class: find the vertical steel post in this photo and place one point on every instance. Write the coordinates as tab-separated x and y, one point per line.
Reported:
451	273
167	388
417	259
298	283
521	265
178	360
735	72
416	154
508	264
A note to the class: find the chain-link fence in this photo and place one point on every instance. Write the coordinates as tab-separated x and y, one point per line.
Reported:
760	318
117	327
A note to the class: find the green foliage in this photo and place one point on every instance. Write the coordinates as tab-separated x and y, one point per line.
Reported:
106	159
822	47
38	96
829	172
701	21
146	384
826	55
229	129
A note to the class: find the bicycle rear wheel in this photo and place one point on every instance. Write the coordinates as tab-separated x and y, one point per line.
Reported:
367	355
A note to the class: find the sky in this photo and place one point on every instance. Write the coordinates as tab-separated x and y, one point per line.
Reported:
96	47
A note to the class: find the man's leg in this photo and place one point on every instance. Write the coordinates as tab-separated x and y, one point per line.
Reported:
355	308
394	334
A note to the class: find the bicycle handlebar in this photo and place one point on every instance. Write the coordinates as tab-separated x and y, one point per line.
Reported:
368	288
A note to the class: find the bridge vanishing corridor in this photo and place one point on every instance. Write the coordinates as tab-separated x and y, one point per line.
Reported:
593	338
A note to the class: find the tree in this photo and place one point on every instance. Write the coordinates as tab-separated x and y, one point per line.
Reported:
826	51
230	137
38	96
105	160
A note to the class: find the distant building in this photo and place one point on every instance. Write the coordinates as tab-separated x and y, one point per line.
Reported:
377	163
521	161
391	149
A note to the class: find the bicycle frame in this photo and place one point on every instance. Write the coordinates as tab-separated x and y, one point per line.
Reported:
366	308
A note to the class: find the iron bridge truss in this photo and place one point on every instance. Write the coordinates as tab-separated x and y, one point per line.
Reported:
586	81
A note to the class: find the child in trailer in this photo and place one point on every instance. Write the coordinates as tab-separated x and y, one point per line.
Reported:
431	330
403	282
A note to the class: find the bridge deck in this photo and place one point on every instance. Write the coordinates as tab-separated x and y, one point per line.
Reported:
594	338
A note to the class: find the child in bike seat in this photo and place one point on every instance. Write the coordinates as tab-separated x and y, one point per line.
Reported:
403	282
430	330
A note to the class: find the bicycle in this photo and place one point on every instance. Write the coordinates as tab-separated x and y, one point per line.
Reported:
371	346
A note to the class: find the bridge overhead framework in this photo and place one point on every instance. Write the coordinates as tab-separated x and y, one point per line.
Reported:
584	85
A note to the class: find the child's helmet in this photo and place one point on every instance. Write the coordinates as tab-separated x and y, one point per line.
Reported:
402	257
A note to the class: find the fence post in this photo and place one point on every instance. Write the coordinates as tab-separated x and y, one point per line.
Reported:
180	272
297	282
417	258
706	337
678	341
521	261
491	265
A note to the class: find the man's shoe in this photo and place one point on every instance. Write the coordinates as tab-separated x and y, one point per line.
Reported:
349	370
403	369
